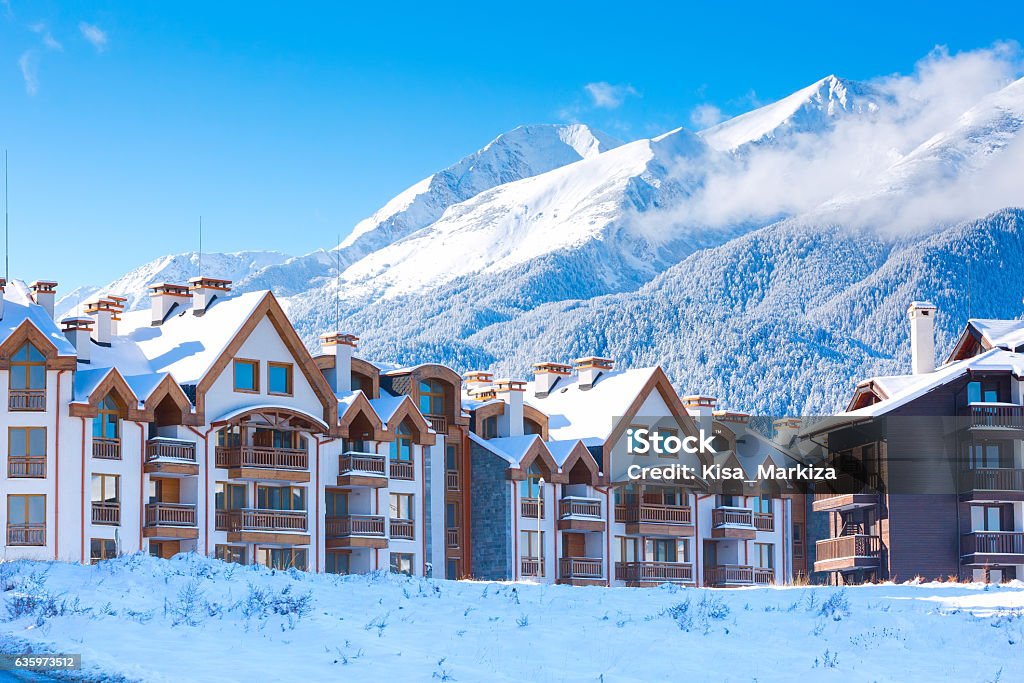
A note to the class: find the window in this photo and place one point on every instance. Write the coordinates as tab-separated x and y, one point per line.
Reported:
401	447
667	550
230	553
762	504
730	501
28	369
401	563
798	540
490	427
627	549
26	520
530	487
664	495
991	518
666	433
984	455
337	504
107	421
281	558
982	392
764	555
626	495
530	545
431	397
26	448
102	549
280	497
453	569
247	375
337	563
106	488
230	436
401	506
451	457
229	496
451	516
279	378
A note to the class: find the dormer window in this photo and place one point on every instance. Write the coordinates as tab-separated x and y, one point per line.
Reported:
247	376
490	430
28	379
431	397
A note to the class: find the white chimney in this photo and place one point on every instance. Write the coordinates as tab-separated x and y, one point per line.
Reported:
119	302
511	423
206	290
922	336
478	384
701	409
102	312
786	429
164	298
590	368
44	292
341	347
546	375
3	285
78	331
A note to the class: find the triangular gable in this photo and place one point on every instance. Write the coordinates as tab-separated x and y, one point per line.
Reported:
407	410
28	332
168	388
971	343
579	453
658	382
360	405
113	383
539	451
271	309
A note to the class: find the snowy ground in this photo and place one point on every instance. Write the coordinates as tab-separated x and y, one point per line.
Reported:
200	620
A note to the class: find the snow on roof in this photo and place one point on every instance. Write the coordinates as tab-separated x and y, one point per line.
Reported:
588	414
894	384
1008	334
269	406
385	406
493	449
86	382
515	447
19	307
144	385
560	450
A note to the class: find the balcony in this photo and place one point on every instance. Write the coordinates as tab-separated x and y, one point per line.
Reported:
531	566
996	416
21	400
402	529
264	462
659	520
722	575
170	520
581	571
26	466
992	547
106	449
764	521
403	470
844	502
452	480
108	514
355	531
171	457
854	551
733	523
26	534
653	573
532	508
992	484
580	514
439	423
356	468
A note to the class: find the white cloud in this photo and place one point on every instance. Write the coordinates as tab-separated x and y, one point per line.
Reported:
608	96
705	115
49	41
94	34
29	71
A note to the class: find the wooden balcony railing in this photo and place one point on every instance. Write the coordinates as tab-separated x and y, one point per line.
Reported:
452	480
728	574
439	423
635	572
402	529
571	506
764	576
26	534
850	546
162	448
993	542
452	538
106	513
531	507
995	415
764	521
580	568
170	514
26	399
251	519
355	525
363	463
531	566
26	466
646	513
106	449
403	469
992	479
263	457
730	516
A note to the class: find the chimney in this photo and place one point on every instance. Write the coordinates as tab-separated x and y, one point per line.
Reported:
78	331
786	429
922	336
44	292
340	346
511	423
478	384
119	302
590	368
3	285
546	375
165	298
701	409
206	290
102	312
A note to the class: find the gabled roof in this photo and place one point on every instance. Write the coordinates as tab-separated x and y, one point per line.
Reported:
19	309
1006	334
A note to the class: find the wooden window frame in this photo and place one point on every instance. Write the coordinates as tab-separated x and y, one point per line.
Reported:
290	378
25	365
227	487
291	489
430	394
665	433
758	547
255	375
411	557
103	476
28	450
338	554
411	499
292	552
220	549
103	552
101	418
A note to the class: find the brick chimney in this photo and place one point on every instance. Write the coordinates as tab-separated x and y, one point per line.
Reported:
922	336
102	312
511	423
164	298
546	375
79	331
44	293
588	369
341	346
206	290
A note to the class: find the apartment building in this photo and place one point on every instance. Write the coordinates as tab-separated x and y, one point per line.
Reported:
933	463
552	500
204	424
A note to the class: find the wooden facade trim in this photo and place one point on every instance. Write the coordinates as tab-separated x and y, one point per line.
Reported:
113	383
28	332
531	413
539	451
169	388
421	428
361	406
580	454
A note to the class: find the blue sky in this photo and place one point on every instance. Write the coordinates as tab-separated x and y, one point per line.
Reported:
283	127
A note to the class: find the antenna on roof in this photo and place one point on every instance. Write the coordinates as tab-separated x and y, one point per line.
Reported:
337	294
200	273
970	313
7	248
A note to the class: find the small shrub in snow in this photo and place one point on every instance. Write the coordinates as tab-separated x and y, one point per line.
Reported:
441	673
190	606
829	660
837	607
523	621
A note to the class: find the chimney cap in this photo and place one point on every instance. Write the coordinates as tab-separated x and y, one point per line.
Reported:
102	305
77	324
788	422
505	385
695	400
43	286
168	288
593	362
732	416
201	282
922	306
552	367
335	338
478	377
